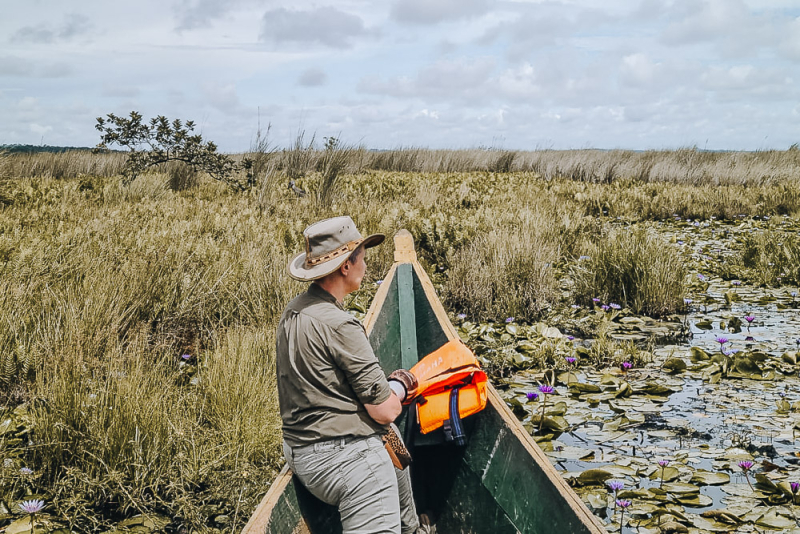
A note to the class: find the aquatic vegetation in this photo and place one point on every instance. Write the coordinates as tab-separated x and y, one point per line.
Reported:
622	504
745	466
136	325
635	267
32	506
663	464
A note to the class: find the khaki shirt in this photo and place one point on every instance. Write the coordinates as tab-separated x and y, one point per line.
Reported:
327	372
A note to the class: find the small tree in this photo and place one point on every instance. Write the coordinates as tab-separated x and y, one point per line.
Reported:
162	141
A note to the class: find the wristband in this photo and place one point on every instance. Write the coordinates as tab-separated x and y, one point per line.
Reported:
399	389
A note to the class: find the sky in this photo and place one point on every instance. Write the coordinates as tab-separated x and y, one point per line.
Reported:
514	75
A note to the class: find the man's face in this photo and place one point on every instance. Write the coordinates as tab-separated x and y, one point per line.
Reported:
357	270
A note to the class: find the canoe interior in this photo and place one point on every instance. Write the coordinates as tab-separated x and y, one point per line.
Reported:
500	482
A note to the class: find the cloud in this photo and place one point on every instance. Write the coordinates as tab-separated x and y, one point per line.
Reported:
222	97
729	25
459	79
327	26
436	11
531	32
39	129
15	66
312	77
638	69
194	14
121	91
75	25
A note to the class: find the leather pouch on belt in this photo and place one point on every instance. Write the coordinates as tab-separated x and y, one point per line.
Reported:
400	456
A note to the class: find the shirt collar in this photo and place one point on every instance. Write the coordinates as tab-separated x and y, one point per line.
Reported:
315	290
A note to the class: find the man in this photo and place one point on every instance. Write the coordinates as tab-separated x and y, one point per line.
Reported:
335	401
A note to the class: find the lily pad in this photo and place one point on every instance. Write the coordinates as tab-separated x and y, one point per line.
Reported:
674	365
709	478
681	488
594	477
695	500
698	355
775	521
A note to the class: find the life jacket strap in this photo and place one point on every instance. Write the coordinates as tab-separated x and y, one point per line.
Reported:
453	426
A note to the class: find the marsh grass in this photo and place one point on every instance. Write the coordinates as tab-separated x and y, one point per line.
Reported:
686	165
766	259
103	287
634	268
507	270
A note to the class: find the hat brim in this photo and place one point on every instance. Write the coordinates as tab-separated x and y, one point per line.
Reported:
297	266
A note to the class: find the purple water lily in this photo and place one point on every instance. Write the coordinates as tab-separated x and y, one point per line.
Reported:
626	365
722	340
749	318
795	486
622	504
32	506
545	390
461	316
509	319
615	306
746	465
595	300
571	359
615	485
26	471
532	396
687	301
663	464
605	307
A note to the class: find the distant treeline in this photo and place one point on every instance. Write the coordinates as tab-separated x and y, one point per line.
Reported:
31	149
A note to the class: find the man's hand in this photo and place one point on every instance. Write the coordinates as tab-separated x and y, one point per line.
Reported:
408	382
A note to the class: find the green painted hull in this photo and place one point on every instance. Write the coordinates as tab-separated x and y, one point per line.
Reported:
500	482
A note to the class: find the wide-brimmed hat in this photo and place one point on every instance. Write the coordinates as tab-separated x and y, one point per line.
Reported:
328	244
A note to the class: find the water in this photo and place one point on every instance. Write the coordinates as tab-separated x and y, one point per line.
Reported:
701	426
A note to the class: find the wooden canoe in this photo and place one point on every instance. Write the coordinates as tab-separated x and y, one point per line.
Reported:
500	482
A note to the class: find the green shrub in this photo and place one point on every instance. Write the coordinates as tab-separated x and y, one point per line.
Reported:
634	268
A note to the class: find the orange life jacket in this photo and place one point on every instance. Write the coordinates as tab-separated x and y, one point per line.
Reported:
448	377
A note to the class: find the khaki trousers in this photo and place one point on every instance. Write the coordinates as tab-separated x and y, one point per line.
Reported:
357	476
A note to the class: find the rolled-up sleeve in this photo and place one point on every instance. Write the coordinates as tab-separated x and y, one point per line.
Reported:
353	354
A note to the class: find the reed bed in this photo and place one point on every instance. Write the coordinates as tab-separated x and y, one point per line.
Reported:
688	165
136	320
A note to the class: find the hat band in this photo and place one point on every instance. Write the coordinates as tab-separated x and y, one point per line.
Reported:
347	247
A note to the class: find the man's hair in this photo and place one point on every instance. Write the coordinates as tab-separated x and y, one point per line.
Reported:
352	258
